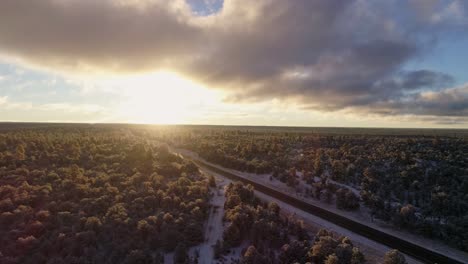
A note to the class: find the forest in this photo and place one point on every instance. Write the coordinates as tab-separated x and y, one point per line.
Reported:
95	195
414	180
278	239
119	194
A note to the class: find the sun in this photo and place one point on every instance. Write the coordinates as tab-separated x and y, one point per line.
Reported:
161	98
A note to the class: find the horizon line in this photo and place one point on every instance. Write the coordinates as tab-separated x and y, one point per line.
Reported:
226	125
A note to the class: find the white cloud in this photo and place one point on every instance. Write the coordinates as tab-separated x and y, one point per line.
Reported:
72	108
3	100
6	103
452	13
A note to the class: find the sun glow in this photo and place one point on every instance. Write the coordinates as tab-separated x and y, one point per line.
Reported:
162	98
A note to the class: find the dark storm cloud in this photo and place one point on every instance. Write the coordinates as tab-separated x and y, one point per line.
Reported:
426	79
326	55
451	102
105	34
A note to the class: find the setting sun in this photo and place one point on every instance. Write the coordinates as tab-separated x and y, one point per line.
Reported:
161	98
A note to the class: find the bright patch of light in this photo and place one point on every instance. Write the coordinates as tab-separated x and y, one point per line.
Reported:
161	98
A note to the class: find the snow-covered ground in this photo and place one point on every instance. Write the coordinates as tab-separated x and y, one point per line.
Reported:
362	215
214	226
169	258
373	251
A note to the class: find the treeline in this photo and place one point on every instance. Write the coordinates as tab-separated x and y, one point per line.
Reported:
250	152
95	195
276	238
419	183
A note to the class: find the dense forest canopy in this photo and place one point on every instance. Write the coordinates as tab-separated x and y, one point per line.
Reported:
416	182
277	239
95	195
118	194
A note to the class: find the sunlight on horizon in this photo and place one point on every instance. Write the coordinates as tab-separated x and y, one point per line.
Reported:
162	98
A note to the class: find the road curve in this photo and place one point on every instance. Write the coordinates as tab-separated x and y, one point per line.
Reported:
413	250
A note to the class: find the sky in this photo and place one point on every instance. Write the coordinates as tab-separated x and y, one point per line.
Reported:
341	63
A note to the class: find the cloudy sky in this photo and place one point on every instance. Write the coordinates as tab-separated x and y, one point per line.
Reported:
394	63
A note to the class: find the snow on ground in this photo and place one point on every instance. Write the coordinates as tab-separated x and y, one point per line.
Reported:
361	215
373	251
234	254
169	258
217	231
214	226
351	188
